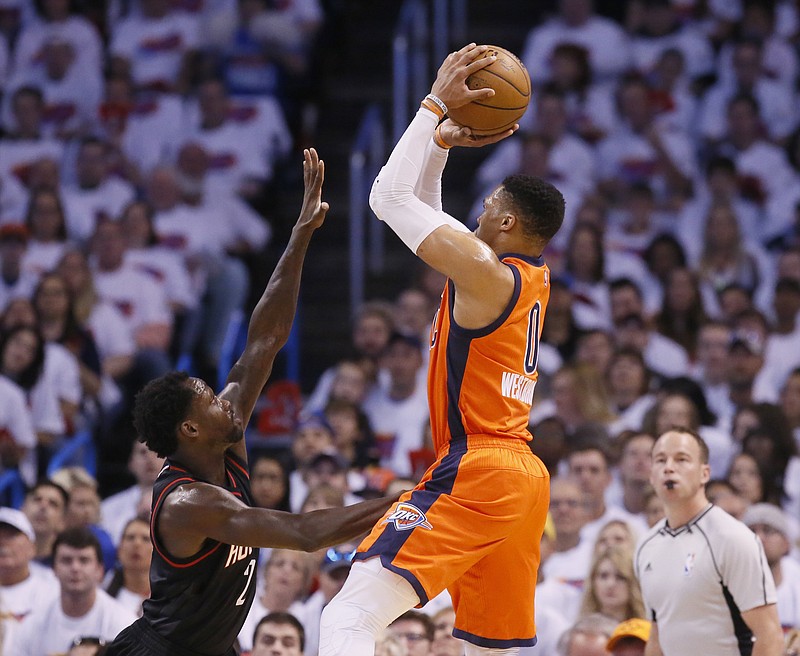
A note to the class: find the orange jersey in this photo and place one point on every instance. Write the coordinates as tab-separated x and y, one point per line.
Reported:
481	382
474	522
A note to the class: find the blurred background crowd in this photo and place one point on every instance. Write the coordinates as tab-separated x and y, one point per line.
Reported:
147	148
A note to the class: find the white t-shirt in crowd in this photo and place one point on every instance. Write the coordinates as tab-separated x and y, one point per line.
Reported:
48	630
19	600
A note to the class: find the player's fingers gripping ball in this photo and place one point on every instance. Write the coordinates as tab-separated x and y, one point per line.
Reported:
512	91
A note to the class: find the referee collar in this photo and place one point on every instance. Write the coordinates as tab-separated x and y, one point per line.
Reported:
667	530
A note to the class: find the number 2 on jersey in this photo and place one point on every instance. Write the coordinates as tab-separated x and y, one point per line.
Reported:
248	572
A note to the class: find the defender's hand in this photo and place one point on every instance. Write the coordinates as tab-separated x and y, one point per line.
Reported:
451	80
454	134
314	209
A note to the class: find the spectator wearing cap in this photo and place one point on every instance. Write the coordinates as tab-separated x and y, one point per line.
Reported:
15	282
23	582
282	586
398	413
313	435
629	638
331	468
332	574
773	527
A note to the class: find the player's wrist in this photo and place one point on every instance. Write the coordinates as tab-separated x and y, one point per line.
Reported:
438	139
435	104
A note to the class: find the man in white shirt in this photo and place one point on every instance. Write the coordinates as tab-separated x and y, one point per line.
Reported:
606	42
705	580
118	509
398	413
771	525
96	194
24	584
244	142
156	47
588	463
80	609
777	102
571	557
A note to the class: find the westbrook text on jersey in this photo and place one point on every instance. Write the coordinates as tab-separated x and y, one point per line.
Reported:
518	387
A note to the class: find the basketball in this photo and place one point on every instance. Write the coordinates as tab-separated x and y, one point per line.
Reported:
512	91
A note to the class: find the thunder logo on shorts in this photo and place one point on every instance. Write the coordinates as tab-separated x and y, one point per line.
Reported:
407	516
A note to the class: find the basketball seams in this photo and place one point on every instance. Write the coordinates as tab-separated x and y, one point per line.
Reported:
507	81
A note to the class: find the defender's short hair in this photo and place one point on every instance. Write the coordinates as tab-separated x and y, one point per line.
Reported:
160	407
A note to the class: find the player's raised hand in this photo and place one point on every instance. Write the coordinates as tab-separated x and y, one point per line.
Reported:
450	85
314	209
454	134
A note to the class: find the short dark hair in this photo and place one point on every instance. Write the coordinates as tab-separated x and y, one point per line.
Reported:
425	620
159	408
279	617
540	204
46	482
701	443
78	538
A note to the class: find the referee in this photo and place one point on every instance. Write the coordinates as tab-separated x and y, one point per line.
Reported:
706	584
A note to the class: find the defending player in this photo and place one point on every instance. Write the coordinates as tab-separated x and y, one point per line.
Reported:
474	522
205	532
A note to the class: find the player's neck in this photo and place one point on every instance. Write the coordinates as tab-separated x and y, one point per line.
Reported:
203	463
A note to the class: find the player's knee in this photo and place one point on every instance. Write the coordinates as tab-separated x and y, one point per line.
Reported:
341	613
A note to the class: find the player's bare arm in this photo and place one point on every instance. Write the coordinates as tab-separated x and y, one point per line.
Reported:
197	511
653	648
766	627
272	318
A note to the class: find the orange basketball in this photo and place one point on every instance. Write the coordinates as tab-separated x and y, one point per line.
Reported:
512	91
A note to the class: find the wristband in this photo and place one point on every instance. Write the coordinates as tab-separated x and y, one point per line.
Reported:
435	105
439	140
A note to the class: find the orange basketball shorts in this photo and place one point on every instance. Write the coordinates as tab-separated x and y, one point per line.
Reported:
472	525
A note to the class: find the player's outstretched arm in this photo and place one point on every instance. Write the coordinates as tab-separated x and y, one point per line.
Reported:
198	511
271	321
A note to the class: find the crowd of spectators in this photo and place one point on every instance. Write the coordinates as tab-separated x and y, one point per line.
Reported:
675	291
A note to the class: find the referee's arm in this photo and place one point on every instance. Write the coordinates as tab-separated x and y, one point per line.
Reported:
766	627
653	648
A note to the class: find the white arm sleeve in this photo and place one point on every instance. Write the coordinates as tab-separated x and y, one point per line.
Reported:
392	197
429	185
